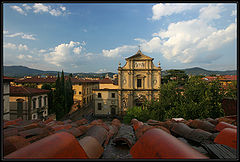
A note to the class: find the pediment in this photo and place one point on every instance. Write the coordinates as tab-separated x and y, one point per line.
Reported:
139	56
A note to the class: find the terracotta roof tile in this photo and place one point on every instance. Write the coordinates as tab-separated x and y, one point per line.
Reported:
26	91
91	136
106	81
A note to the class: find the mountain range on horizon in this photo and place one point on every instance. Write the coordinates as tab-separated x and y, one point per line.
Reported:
21	71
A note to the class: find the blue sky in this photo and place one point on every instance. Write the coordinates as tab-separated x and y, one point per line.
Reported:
95	37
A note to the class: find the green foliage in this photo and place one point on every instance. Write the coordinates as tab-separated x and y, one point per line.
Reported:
62	97
196	100
139	113
231	90
175	75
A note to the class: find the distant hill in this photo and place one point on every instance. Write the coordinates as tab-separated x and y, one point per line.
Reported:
21	71
200	71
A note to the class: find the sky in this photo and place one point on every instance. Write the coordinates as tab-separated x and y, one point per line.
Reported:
96	37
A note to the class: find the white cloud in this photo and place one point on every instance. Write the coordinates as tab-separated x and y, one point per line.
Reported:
234	13
219	38
22	47
21	56
210	12
39	7
19	10
42	50
5	32
77	50
14	46
14	35
160	10
55	12
63	8
27	7
189	41
119	51
102	71
64	53
23	36
85	30
10	46
29	56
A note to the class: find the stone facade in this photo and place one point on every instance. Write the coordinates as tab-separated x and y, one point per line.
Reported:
138	80
106	101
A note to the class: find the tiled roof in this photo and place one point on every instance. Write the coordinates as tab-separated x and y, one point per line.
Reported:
221	78
106	81
8	78
26	91
228	77
83	139
52	80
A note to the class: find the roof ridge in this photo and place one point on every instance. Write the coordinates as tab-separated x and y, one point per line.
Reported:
27	90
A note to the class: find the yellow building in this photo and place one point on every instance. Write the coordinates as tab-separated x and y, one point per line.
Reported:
138	80
28	103
83	91
83	94
106	98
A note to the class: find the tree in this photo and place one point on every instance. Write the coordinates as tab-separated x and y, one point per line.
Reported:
69	94
196	100
58	99
176	75
63	96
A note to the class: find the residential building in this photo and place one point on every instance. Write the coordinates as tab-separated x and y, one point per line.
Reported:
82	87
225	80
28	103
6	93
83	91
105	101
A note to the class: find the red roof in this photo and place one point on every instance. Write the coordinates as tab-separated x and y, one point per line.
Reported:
106	81
209	78
8	78
228	77
26	91
51	80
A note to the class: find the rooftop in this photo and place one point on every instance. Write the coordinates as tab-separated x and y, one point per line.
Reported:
52	79
111	139
26	91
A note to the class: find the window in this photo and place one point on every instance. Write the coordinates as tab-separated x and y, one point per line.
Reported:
19	107
40	101
99	95
34	103
113	95
74	91
80	92
99	106
139	82
45	101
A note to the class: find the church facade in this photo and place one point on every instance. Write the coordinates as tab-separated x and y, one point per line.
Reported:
138	80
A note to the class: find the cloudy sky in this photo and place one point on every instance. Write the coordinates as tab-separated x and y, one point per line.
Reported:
82	37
